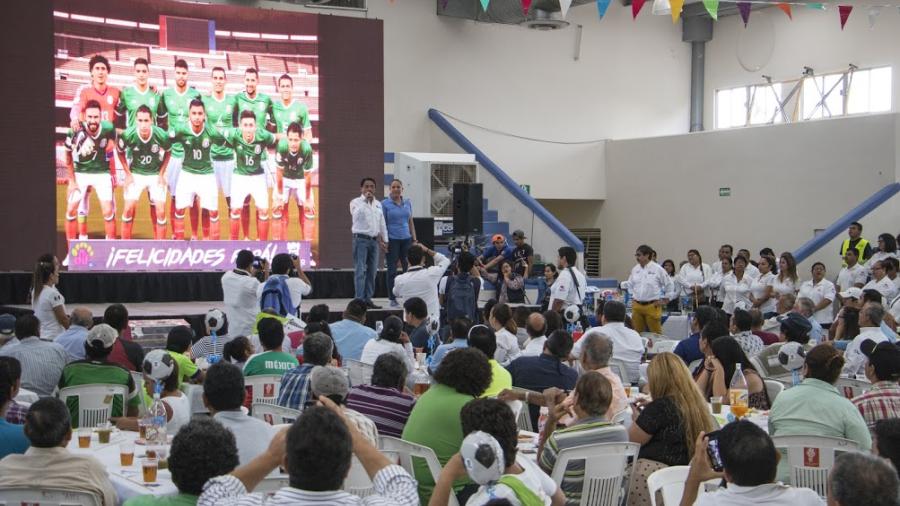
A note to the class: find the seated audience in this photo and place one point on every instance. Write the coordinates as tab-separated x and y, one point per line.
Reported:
318	313
12	435
215	322
11	375
756	326
384	400
589	405
875	297
552	322
750	462
481	337
870	317
323	327
667	426
48	462
351	334
96	368
505	329
815	406
886	440
416	323
202	449
316	451
794	329
741	324
627	344
806	307
595	355
126	352
532	486
178	344
689	349
520	315
459	338
509	284
535	327
311	327
435	420
711	331
715	378
546	370
331	382
223	396
7	330
458	292
238	351
72	339
858	479
42	361
164	372
880	281
391	340
882	400
273	361
294	391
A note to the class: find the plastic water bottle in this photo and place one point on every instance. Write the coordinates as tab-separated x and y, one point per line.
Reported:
738	393
212	357
627	300
156	430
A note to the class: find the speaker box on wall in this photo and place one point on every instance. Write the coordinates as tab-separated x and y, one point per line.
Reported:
468	215
425	231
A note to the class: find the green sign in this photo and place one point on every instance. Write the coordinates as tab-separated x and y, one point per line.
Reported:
526	187
724	192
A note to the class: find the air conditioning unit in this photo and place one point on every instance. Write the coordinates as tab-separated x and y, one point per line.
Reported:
428	180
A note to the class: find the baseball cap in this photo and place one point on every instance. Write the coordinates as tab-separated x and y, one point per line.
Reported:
519	234
104	334
497	237
392	328
794	325
852	293
884	357
328	380
7	324
215	320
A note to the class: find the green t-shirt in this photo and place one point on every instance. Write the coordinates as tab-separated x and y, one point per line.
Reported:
89	151
294	165
187	369
197	147
434	422
175	107
88	372
249	155
166	500
146	156
270	362
130	99
220	114
295	112
261	106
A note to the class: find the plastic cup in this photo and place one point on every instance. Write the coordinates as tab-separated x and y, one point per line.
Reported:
104	430
716	403
149	467
84	437
126	453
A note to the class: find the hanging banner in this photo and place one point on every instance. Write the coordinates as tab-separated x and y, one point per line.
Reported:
712	7
744	8
874	11
484	4
526	6
677	6
844	11
602	5
786	8
564	7
636	7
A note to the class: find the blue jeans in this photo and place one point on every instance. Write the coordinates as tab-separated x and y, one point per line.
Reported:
397	250
365	265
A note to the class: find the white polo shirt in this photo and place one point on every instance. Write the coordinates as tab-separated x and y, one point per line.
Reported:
851	276
568	285
885	287
650	282
818	292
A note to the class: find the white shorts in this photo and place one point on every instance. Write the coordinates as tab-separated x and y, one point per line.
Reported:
255	186
295	187
151	184
200	185
173	170
101	183
224	170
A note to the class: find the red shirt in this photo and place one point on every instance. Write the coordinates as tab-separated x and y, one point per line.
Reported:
108	100
767	337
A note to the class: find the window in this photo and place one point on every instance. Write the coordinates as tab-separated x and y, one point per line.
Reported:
762	101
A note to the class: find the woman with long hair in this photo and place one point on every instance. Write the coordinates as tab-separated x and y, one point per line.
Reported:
501	320
715	378
550	275
674	303
667	426
717	285
48	304
510	285
761	294
787	281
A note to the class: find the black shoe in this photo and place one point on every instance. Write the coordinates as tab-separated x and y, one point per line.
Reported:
371	305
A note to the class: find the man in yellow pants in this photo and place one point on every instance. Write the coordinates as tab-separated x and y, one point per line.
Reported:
648	283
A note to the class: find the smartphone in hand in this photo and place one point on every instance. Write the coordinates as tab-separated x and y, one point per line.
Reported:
712	450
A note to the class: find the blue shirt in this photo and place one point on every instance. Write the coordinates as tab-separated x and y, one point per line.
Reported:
890	334
72	340
295	392
12	439
397	218
539	373
444	349
689	349
492	251
816	332
351	337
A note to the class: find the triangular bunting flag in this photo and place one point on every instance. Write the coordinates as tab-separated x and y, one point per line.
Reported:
677	6
484	4
845	11
787	10
874	11
564	7
744	8
602	5
816	5
526	5
636	7
712	7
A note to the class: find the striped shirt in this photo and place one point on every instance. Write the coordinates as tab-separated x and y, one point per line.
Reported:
295	392
389	408
204	346
588	431
393	486
880	402
42	363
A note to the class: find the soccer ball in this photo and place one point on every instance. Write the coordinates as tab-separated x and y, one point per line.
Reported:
215	320
572	313
84	146
482	457
158	364
792	356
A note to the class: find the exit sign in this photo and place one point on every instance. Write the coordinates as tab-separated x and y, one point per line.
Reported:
526	187
724	192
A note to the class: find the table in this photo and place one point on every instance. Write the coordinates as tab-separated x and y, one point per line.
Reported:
759	418
528	444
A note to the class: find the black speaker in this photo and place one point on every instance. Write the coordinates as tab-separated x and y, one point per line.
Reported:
468	210
425	231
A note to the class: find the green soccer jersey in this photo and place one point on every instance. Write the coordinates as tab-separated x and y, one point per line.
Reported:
89	151
296	164
249	155
261	106
197	147
287	114
89	372
270	362
220	114
175	107
146	155
129	101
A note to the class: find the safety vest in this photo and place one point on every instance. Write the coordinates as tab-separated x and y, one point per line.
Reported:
860	248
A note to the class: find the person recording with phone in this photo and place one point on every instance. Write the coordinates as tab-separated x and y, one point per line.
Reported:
369	234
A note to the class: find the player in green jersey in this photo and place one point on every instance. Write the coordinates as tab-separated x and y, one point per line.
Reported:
249	179
287	110
147	149
261	104
197	178
294	159
219	113
87	167
132	97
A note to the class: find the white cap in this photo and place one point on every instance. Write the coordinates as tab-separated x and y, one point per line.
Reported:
852	293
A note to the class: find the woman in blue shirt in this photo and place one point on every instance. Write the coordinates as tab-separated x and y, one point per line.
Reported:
401	233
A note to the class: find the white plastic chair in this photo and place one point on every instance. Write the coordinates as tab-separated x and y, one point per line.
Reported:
851	388
811	458
607	470
357	481
517	408
272	484
669	482
773	388
664	345
617	366
759	366
360	372
264	388
623	417
405	452
95	402
47	497
273	414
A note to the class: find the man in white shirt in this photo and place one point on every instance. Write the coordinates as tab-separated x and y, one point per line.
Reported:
881	282
648	283
570	285
369	233
749	462
239	288
223	395
853	274
627	344
420	281
862	479
725	251
536	327
751	270
870	317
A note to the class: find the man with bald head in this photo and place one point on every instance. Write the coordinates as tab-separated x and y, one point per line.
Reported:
72	340
536	327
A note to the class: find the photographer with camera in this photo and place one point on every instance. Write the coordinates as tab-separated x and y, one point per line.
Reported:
286	286
239	287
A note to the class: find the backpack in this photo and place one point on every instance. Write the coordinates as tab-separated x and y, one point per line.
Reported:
461	298
277	296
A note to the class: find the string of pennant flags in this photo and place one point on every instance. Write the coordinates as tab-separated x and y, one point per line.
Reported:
675	7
